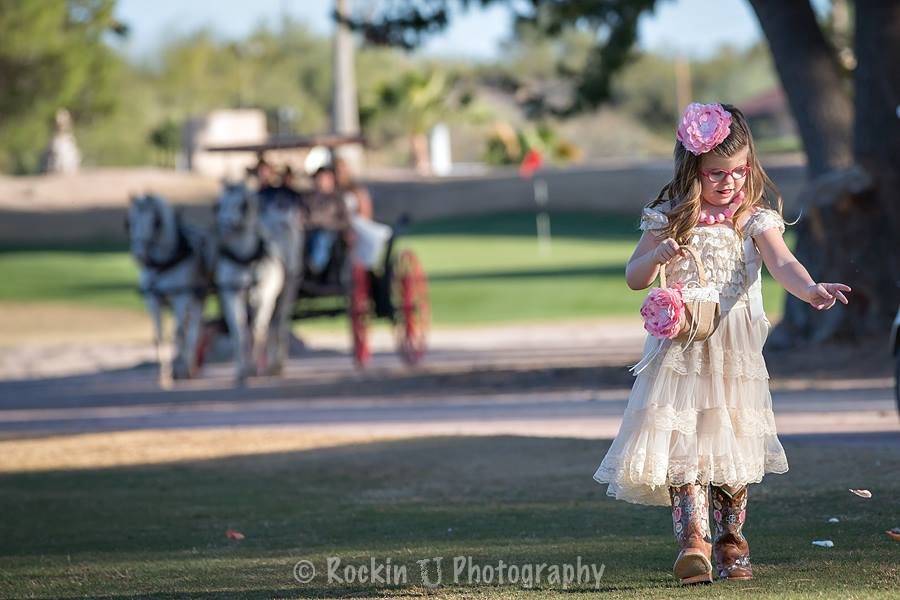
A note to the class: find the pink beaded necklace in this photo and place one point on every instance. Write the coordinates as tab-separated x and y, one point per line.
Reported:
726	214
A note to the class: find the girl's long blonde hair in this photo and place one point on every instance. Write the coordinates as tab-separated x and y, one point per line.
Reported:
684	189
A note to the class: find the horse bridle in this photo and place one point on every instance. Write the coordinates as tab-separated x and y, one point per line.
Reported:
182	250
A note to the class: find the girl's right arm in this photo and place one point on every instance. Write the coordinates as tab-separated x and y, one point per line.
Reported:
650	253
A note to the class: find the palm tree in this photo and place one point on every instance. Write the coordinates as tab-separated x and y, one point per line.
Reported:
419	101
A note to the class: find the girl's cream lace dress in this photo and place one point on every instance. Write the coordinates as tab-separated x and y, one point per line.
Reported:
702	413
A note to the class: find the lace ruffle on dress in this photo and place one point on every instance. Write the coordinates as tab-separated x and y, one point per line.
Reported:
702	413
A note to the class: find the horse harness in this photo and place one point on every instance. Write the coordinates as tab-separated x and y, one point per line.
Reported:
253	257
183	251
247	260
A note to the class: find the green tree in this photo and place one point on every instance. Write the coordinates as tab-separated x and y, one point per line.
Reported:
271	68
166	138
52	55
416	102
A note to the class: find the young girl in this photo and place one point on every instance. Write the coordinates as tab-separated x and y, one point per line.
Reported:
699	418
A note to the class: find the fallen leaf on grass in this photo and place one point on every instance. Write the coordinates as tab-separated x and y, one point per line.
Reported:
231	534
862	493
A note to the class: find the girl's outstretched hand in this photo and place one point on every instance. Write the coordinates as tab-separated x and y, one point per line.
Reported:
822	296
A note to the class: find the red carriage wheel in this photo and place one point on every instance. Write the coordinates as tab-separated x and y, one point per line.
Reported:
411	307
359	314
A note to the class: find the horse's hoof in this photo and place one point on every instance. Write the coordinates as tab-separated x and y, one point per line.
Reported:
275	370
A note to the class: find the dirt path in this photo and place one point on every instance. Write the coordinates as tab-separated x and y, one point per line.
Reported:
547	380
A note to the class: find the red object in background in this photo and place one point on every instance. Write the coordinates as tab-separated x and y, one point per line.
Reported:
531	163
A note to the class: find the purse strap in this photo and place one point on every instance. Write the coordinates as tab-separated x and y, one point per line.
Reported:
701	272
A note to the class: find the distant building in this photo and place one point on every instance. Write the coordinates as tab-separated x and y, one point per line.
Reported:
223	128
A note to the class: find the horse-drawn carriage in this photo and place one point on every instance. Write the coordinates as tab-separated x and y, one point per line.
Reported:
258	270
396	289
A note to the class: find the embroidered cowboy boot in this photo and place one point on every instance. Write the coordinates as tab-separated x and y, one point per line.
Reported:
730	548
690	518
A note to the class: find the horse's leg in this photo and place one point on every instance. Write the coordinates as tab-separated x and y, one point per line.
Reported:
272	338
154	307
234	309
193	330
280	332
270	283
181	309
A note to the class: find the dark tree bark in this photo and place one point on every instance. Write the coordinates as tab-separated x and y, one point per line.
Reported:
818	95
876	141
846	232
876	148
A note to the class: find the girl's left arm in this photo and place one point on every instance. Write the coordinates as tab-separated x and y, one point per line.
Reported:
793	276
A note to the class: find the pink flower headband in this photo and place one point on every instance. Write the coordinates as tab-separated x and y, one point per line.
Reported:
703	127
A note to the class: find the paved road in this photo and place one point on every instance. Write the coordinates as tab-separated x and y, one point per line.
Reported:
577	389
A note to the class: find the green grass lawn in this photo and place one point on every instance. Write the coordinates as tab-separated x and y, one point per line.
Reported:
483	269
158	531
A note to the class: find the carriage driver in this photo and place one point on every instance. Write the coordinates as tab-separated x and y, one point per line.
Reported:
326	217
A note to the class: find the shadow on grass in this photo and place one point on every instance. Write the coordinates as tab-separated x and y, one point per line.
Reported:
161	528
521	500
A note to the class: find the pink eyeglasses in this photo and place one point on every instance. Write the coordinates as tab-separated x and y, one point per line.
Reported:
717	175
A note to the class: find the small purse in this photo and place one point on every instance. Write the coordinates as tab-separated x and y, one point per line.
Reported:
698	303
701	303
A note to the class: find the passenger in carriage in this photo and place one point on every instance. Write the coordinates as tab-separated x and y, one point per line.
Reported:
270	191
265	175
371	237
325	217
289	186
355	195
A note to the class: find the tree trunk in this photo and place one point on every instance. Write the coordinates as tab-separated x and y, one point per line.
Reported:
420	154
840	232
876	148
818	95
876	143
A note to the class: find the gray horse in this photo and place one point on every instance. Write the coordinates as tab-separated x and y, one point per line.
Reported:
281	219
249	276
172	274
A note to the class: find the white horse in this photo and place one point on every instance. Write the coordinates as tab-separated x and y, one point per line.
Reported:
249	276
281	219
173	275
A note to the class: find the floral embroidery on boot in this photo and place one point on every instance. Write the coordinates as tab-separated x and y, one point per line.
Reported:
730	548
690	522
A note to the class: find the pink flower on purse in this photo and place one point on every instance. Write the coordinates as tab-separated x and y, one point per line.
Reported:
703	127
663	311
